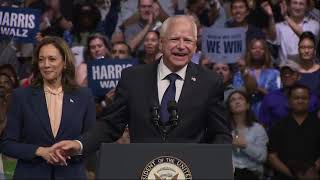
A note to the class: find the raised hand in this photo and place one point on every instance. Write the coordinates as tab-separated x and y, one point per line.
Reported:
284	8
267	8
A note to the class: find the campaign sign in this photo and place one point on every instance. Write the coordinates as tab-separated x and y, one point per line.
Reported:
104	74
19	24
224	45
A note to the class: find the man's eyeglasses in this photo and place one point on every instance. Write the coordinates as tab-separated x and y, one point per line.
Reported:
306	47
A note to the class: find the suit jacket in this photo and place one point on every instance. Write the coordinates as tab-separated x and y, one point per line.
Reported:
28	127
202	116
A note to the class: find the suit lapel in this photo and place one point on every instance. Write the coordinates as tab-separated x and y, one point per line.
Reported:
188	86
68	110
39	106
154	81
152	98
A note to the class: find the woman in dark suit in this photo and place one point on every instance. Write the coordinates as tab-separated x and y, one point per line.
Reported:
54	108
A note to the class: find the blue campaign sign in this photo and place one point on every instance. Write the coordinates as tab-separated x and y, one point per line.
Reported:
104	74
224	45
19	24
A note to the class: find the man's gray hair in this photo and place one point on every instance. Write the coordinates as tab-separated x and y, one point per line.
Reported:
173	19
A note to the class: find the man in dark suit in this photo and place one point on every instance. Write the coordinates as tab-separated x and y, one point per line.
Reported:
197	91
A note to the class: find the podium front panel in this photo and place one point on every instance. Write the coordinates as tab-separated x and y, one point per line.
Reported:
135	161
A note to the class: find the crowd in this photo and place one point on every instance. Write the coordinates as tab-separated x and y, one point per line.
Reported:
271	93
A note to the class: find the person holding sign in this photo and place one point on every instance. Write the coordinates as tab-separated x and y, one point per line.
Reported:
194	93
54	108
98	47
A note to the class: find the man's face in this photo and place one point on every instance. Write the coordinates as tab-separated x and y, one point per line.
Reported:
120	51
288	77
307	49
145	9
299	100
224	70
178	44
297	8
239	11
98	49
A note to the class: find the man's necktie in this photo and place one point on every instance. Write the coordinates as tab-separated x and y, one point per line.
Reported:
169	95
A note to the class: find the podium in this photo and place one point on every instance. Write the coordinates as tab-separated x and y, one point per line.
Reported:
165	161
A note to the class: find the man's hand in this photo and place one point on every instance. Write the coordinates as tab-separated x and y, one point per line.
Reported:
63	150
151	18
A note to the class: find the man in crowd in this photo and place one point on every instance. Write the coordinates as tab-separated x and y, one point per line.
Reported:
274	110
295	140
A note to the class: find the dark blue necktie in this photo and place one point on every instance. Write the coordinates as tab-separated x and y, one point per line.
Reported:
169	95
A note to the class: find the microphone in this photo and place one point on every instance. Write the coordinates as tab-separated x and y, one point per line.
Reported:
173	110
155	115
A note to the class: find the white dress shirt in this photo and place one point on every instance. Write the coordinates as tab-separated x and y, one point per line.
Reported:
163	83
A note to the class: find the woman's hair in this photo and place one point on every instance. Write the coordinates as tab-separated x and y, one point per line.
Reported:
308	35
155	32
11	72
250	118
104	39
90	11
68	74
267	57
9	78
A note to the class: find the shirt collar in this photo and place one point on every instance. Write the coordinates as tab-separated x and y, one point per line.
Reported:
164	71
47	89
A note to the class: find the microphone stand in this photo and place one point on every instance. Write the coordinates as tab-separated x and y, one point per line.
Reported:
165	128
157	123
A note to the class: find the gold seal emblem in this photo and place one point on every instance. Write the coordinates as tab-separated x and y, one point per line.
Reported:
166	168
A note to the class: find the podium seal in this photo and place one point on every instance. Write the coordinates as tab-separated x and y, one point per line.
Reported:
166	168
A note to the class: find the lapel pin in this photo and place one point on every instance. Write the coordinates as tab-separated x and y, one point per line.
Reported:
193	79
71	100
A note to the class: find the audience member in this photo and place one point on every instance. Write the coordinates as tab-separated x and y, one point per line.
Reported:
274	106
258	78
151	51
249	138
120	50
98	47
209	13
286	34
295	140
86	19
309	69
239	13
136	32
225	70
